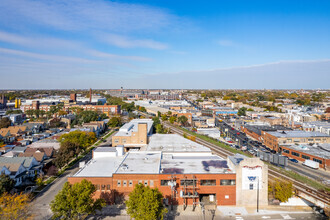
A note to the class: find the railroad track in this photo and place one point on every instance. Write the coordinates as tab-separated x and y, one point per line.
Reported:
320	196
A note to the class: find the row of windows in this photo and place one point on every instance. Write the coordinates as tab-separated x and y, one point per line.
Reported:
302	156
102	187
295	154
130	183
202	182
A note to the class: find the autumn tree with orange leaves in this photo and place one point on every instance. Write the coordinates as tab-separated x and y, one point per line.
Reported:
14	206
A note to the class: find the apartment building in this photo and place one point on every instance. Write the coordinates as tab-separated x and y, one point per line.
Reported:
274	139
106	109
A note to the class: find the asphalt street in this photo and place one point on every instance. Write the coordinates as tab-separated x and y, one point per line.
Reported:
40	206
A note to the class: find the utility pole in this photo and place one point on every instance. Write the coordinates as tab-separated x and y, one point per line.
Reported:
258	195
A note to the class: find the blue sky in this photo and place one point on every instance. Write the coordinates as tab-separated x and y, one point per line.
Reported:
164	44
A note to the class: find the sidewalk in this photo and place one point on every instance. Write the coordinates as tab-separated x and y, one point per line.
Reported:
221	212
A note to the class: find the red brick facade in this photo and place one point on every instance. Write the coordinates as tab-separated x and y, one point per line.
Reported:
118	187
286	151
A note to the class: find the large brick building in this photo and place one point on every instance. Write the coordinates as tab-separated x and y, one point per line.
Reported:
106	109
274	139
317	152
185	172
134	134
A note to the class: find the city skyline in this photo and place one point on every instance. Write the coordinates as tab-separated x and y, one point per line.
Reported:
156	44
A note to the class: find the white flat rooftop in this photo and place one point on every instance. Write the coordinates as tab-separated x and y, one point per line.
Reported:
174	143
194	165
138	162
100	167
132	126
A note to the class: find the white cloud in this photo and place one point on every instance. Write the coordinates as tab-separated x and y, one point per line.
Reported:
226	43
84	15
96	53
125	42
39	42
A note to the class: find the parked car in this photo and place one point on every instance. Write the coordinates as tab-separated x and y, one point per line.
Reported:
293	160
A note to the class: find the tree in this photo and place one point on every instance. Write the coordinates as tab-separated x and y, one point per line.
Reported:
17	111
281	190
114	122
145	203
56	123
5	122
156	121
182	120
14	206
67	151
172	119
62	112
160	129
75	201
129	107
6	184
242	111
159	114
29	112
79	138
88	116
164	117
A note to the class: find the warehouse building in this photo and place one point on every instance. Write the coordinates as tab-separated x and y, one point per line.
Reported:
317	152
186	173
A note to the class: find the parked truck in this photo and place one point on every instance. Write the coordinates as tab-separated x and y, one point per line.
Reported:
311	164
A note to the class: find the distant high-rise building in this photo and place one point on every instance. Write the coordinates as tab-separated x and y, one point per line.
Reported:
3	101
73	97
35	105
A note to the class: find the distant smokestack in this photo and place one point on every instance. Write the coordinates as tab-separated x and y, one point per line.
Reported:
90	95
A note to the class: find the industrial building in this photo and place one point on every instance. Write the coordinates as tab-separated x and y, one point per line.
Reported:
186	172
274	139
317	152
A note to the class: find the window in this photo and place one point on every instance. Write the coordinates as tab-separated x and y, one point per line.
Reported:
317	160
146	183
124	140
286	151
227	182
151	183
130	183
208	182
164	182
295	154
97	186
124	183
188	182
116	141
119	183
305	157
102	187
140	181
108	187
251	186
